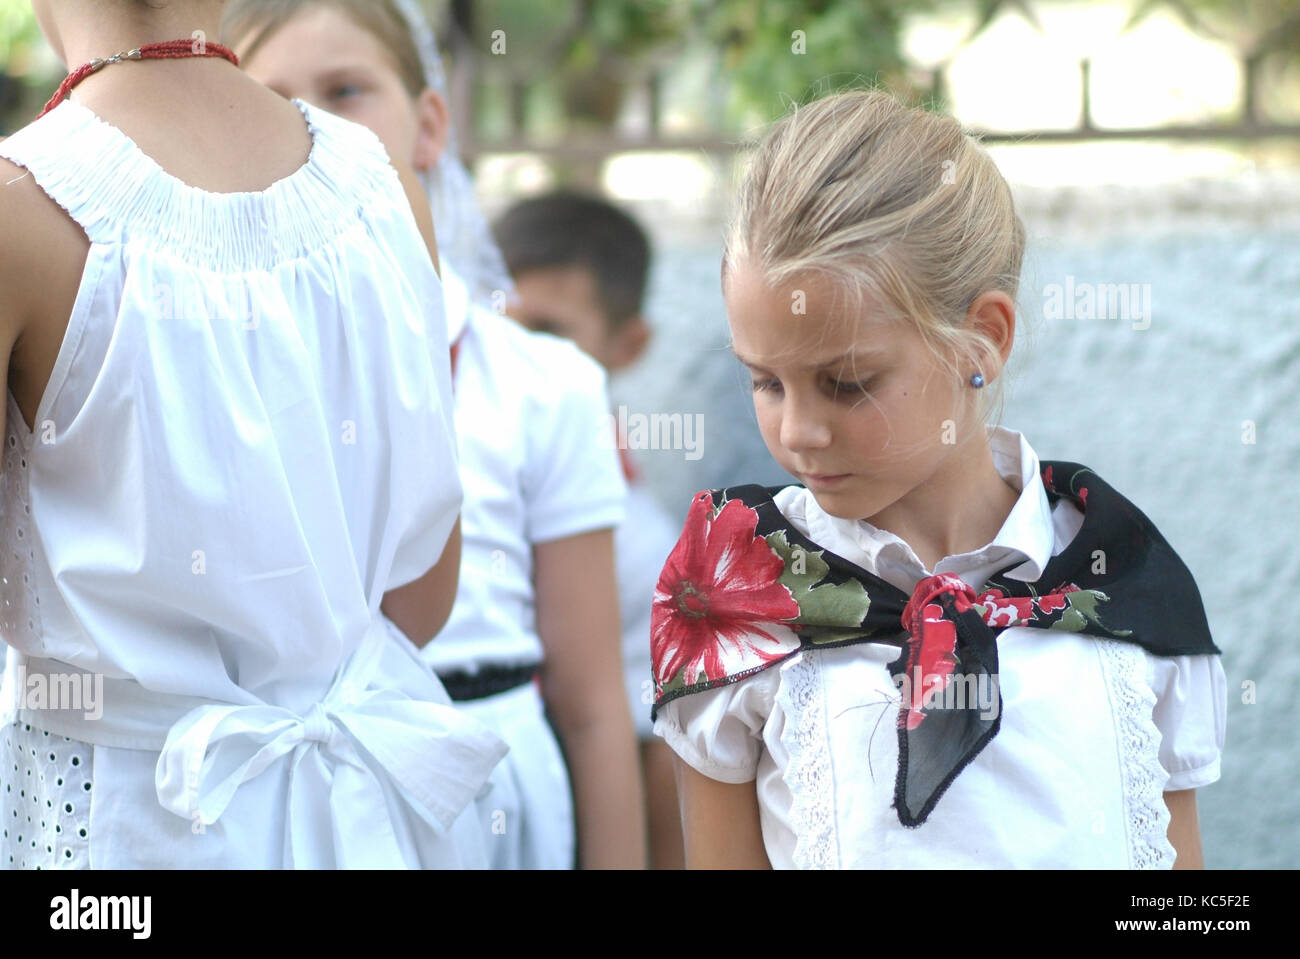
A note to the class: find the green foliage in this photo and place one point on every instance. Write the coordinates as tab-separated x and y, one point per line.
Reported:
843	42
18	29
586	42
635	28
574	35
772	53
19	89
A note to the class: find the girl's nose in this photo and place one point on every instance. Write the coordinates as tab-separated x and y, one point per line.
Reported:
803	425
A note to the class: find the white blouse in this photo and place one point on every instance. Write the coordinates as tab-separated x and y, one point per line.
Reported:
1093	731
242	448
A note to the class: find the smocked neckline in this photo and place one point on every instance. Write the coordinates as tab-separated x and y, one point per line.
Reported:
125	195
175	183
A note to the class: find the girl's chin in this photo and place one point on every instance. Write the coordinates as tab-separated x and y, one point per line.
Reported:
851	504
841	505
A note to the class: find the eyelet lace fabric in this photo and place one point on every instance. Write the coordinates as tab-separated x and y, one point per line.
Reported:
45	788
1132	700
809	774
45	780
19	604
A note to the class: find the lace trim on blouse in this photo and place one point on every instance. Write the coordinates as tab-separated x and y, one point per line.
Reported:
808	775
19	603
1146	817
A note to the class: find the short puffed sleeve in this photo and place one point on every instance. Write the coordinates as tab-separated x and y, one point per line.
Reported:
1191	714
719	732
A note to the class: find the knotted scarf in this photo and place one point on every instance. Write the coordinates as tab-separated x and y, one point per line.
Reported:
744	590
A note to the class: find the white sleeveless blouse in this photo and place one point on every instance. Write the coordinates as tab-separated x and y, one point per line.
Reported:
244	444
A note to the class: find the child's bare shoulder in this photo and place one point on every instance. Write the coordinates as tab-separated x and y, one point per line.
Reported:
15	184
21	213
38	235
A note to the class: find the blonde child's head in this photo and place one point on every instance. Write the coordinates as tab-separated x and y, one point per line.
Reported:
883	240
354	58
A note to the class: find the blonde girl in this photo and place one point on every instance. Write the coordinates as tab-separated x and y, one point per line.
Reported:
934	650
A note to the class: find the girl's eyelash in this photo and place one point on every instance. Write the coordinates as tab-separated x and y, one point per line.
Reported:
859	387
838	388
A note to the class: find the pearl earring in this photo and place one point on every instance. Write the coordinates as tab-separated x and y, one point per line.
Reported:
977	381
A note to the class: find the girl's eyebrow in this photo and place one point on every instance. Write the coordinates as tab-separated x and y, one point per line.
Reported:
858	352
346	68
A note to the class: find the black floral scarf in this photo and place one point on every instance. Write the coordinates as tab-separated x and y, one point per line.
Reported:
743	590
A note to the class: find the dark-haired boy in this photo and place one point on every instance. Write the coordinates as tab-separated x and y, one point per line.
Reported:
580	267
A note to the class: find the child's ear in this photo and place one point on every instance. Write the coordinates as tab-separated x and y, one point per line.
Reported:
629	342
433	128
993	314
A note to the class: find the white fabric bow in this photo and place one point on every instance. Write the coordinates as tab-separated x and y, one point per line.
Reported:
353	757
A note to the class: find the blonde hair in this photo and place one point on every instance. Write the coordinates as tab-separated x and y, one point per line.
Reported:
887	202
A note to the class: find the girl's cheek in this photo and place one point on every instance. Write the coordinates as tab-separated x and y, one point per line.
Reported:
770	426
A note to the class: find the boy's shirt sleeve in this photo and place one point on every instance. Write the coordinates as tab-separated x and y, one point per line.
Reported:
573	481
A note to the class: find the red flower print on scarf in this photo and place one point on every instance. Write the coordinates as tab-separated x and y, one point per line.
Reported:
719	595
930	660
1051	602
997	608
932	640
1051	485
1000	609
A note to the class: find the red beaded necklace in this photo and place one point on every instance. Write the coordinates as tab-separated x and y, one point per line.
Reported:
170	50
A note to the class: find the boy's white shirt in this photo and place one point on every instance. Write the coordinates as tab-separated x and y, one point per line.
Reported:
536	465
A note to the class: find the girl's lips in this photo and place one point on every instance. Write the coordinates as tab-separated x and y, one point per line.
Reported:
817	479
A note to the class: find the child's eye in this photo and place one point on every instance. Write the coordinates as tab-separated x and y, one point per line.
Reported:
763	386
851	390
345	91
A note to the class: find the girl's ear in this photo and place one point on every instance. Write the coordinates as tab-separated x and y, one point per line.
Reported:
992	314
433	126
